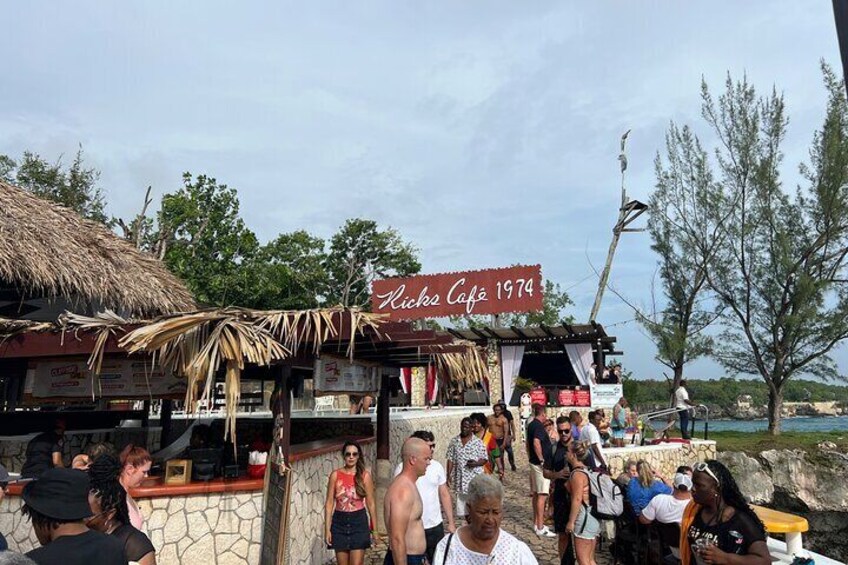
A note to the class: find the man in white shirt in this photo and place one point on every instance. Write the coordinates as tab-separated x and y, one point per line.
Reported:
683	405
668	508
590	434
435	497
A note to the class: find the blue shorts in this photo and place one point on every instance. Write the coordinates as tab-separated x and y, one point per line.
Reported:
586	526
618	433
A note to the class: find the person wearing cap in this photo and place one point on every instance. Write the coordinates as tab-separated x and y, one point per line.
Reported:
57	505
668	508
45	451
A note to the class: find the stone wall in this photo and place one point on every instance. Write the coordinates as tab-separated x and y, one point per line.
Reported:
306	512
223	528
664	458
443	423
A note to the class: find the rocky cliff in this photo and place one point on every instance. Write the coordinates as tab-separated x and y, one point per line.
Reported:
813	485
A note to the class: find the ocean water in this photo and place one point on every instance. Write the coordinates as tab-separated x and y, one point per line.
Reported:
812	424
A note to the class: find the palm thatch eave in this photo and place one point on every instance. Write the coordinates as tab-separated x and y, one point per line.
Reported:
49	250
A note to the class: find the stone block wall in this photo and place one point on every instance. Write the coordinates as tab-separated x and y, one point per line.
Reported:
665	458
224	528
306	511
443	423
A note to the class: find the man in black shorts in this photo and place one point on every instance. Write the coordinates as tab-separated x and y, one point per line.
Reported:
557	470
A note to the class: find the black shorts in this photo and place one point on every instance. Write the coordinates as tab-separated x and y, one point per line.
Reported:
562	508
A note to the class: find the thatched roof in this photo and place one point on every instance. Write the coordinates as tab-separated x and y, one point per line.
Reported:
50	250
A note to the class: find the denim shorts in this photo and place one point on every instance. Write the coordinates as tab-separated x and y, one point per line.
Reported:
586	526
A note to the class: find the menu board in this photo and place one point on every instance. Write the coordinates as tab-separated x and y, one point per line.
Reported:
275	519
337	375
119	378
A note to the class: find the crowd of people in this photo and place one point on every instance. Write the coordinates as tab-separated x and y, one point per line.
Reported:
82	514
566	458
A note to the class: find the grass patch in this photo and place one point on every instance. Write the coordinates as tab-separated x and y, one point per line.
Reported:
754	443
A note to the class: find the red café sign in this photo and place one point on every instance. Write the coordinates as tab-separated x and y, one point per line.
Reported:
493	291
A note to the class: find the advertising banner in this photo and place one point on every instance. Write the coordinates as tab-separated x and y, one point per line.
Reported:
492	291
606	396
566	397
539	395
119	378
337	375
582	397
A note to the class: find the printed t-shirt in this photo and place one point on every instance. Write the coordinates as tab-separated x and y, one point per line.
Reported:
428	487
347	499
508	550
459	455
536	430
640	496
82	549
733	536
666	509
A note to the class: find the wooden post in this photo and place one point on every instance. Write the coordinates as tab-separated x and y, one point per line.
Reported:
145	417
165	422
384	466
282	407
599	360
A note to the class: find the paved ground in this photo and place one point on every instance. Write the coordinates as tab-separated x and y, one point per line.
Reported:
518	519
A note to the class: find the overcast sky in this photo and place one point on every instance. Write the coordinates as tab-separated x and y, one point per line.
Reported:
486	132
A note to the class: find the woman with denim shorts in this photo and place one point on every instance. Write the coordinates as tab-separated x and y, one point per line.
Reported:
581	524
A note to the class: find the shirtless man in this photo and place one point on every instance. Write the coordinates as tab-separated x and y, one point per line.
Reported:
499	427
403	507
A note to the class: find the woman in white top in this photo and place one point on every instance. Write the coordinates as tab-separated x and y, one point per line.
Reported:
482	541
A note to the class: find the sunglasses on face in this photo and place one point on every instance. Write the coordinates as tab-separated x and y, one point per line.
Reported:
432	445
704	468
564	431
351	454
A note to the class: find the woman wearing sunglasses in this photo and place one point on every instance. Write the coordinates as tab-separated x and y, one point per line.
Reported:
718	525
350	508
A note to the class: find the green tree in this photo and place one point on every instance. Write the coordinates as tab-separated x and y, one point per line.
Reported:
74	187
359	253
290	272
780	272
685	234
207	243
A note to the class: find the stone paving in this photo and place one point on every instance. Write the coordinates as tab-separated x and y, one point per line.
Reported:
518	519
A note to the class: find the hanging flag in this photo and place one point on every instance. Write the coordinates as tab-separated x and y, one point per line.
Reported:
406	379
432	384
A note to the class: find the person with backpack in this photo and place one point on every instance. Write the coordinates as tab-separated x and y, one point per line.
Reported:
582	525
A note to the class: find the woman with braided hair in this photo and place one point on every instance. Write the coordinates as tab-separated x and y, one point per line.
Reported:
719	526
108	501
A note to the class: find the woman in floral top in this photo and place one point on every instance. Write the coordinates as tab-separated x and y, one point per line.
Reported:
350	508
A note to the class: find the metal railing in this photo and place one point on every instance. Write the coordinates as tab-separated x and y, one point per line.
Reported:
669	416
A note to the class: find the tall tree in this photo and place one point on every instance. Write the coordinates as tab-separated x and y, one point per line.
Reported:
74	187
359	253
685	234
780	272
209	246
290	272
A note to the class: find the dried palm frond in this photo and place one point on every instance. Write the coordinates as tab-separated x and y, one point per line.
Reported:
466	369
12	327
298	328
104	325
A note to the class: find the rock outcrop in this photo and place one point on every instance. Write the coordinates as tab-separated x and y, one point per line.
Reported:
811	485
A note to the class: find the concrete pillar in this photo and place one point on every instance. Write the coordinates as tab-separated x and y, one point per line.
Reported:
384	479
493	363
419	386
